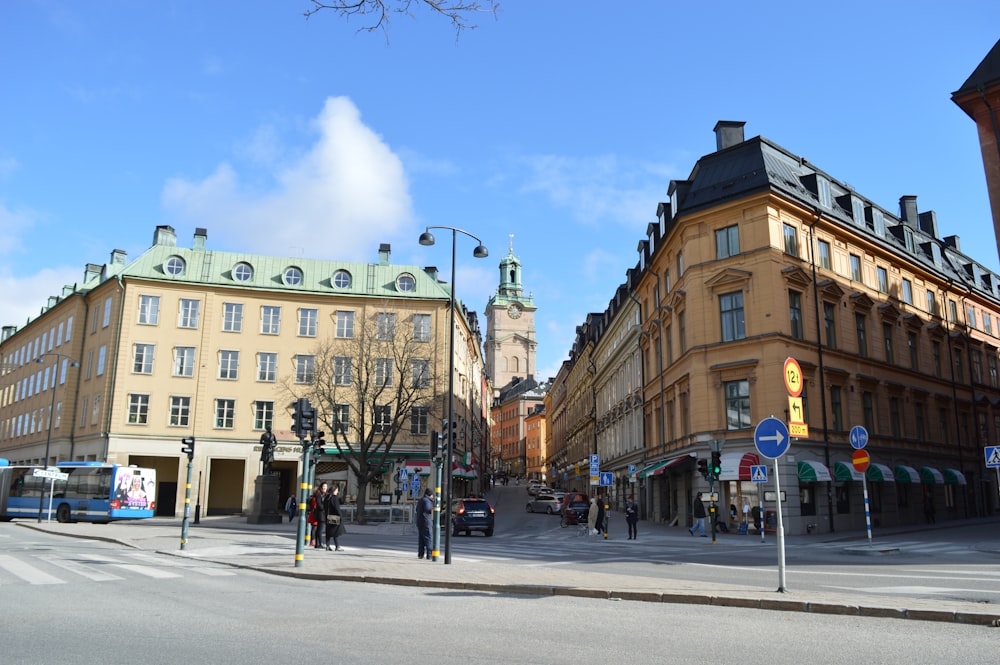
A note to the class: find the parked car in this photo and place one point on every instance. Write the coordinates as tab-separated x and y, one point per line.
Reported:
577	503
472	514
545	503
533	486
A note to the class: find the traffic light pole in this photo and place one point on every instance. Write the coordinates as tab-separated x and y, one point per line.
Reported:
187	504
303	422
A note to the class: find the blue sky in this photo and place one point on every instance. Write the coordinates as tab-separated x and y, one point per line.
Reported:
559	122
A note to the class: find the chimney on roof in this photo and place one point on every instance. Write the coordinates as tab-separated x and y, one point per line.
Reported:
118	257
928	223
952	241
165	235
7	332
728	133
91	271
908	210
384	250
200	236
432	271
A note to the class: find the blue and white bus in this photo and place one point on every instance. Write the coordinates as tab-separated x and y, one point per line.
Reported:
92	492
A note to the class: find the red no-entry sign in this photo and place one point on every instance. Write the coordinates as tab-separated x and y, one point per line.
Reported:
860	460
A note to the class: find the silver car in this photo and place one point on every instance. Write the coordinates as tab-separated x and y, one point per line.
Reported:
546	503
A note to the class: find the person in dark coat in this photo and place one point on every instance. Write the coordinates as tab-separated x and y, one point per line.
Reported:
317	514
632	517
698	512
334	521
425	517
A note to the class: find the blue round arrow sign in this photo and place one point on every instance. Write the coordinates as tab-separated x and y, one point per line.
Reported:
859	437
771	438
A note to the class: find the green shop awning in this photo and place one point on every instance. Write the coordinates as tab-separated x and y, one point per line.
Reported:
906	474
656	468
846	471
954	477
813	472
880	473
931	476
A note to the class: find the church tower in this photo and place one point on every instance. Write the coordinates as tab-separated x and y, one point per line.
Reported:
510	326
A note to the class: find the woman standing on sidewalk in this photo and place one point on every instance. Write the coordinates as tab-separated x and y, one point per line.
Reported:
334	527
317	510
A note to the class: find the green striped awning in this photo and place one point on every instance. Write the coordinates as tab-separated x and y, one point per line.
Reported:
954	477
906	474
813	472
846	471
880	473
931	476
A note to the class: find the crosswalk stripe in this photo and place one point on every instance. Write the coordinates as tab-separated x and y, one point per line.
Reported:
77	568
27	572
147	571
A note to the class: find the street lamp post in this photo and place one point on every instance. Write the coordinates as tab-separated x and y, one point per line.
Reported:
427	239
52	406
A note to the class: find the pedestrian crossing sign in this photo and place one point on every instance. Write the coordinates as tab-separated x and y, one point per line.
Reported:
992	456
758	473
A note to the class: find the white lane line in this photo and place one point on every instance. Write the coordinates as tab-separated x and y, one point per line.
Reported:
82	570
27	572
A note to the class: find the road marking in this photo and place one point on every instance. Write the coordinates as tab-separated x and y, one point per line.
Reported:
148	571
77	568
27	572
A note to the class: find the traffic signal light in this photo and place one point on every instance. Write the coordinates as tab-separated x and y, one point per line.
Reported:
188	447
303	417
716	468
434	444
703	467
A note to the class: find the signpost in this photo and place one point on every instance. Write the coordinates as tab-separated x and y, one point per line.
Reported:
758	474
595	469
53	475
993	461
860	459
772	441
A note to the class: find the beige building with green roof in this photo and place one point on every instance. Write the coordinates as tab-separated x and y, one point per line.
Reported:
187	341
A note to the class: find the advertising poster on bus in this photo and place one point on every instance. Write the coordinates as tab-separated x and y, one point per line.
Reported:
135	489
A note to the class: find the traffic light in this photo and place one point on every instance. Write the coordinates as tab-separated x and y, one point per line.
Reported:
188	447
303	417
716	468
703	467
316	453
434	444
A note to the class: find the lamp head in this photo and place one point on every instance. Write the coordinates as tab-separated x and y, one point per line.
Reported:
480	252
426	238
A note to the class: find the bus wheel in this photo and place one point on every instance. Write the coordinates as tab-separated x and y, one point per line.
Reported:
62	513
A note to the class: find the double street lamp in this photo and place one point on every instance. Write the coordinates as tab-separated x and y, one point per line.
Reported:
71	362
480	252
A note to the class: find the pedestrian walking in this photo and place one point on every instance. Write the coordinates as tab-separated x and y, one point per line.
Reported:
632	517
698	511
425	517
334	522
592	517
291	507
317	512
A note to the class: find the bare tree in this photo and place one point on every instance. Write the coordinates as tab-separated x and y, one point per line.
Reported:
376	13
365	389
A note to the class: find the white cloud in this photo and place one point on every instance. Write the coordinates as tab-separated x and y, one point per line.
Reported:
24	296
347	193
13	225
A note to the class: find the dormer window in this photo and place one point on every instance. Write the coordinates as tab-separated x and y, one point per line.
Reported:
243	272
823	185
174	265
406	282
292	276
342	279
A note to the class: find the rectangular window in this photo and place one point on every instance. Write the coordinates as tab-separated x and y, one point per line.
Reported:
180	411
267	367
421	327
680	264
342	371
791	240
970	317
987	323
878	222
668	344
183	361
138	409
959	374
824	254
419	416
952	311
142	358
682	333
229	365
737	404
727	242
95	410
263	415
868	411
861	326
345	325
383	372
936	353
149	311
855	268
895	419
232	317
385	326
308	322
225	413
420	369
270	320
931	303
912	344
102	356
383	418
883	280
991	364
305	369
823	187
731	314
795	313
830	324
977	366
341	418
187	313
890	357
836	408
106	317
907	292
919	420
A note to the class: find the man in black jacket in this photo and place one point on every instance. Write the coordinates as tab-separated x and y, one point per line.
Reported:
698	512
425	516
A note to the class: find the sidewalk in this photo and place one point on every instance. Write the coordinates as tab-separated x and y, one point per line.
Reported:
270	548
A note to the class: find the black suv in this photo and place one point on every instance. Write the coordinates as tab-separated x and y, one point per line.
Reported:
472	514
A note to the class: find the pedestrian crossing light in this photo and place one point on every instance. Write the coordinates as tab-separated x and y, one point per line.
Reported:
716	468
188	447
703	467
